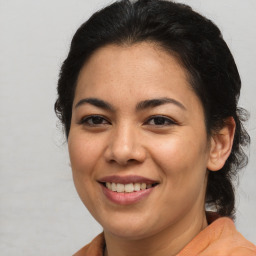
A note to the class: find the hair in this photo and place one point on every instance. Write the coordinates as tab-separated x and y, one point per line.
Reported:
198	45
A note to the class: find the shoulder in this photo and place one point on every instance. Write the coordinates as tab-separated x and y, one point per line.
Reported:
94	248
220	238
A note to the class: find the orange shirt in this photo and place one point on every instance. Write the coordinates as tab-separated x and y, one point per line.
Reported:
220	238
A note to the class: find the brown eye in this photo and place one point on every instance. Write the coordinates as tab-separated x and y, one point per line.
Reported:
94	120
160	121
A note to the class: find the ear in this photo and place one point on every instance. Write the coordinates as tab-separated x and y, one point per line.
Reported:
221	145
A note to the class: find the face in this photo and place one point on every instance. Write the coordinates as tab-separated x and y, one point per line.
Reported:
137	127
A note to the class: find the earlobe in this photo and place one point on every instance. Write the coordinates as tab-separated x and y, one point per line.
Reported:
221	145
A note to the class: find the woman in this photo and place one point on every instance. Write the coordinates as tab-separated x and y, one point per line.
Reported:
148	99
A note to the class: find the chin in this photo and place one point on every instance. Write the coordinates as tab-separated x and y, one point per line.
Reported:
131	230
128	234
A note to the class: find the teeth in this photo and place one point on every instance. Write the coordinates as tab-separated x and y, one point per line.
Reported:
113	187
119	187
143	186
137	186
127	188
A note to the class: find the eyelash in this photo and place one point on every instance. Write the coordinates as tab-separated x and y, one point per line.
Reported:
85	120
167	121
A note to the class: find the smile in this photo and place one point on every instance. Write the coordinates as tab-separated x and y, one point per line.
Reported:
127	188
124	190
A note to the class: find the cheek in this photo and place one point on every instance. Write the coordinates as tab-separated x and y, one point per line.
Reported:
181	157
83	152
84	155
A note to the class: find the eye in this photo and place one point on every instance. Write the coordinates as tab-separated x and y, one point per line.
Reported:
94	120
160	121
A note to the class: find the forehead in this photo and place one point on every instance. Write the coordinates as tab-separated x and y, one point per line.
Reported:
142	56
142	71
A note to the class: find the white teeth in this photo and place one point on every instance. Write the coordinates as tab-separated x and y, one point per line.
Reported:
143	186
137	186
127	188
113	187
119	187
108	184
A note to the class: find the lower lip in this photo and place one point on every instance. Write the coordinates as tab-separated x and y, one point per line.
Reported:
126	198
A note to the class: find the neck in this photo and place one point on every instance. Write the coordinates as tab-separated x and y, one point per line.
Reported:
168	241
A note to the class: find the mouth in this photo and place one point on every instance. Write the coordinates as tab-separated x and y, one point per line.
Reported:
128	188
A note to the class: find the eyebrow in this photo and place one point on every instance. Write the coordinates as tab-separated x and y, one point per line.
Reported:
95	102
157	102
151	103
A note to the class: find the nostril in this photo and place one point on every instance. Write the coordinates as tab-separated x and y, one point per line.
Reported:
131	160
123	161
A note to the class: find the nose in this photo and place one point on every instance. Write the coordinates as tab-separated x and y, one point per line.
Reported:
125	146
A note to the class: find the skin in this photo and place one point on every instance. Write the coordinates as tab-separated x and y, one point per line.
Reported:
174	151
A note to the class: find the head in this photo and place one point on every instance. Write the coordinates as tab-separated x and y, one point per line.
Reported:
196	44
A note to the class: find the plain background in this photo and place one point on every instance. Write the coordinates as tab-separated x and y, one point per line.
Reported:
40	212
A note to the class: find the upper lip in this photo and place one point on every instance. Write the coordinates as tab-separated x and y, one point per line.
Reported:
127	179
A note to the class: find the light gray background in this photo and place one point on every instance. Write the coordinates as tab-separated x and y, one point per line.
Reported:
40	212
